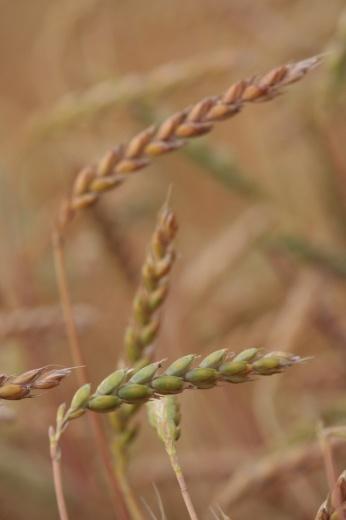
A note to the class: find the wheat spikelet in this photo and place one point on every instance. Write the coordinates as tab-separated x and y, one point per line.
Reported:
164	416
153	289
113	168
334	507
22	386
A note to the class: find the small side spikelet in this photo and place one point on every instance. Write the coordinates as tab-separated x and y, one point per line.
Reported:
164	416
23	386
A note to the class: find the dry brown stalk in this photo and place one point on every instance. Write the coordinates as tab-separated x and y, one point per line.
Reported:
22	386
67	308
116	495
57	477
114	167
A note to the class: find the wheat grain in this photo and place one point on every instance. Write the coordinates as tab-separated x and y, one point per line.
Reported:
113	168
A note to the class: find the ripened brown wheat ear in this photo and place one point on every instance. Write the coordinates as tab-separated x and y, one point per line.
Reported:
22	386
113	168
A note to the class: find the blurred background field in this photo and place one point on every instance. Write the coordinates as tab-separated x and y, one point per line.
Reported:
261	205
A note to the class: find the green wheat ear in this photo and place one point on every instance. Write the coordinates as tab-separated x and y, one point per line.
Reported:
123	387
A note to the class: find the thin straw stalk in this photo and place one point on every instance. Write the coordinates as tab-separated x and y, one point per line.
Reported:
119	505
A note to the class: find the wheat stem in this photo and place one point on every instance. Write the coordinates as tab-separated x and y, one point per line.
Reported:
67	308
118	502
120	468
173	457
57	478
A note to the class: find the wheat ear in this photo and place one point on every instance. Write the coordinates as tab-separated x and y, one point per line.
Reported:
125	386
118	503
112	169
152	292
22	386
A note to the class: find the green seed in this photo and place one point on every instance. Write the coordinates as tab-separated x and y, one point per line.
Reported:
74	414
214	359
202	377
267	365
134	393
233	368
146	374
149	332
104	403
166	385
141	308
177	433
157	297
80	398
112	382
132	344
149	276
180	366
247	355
